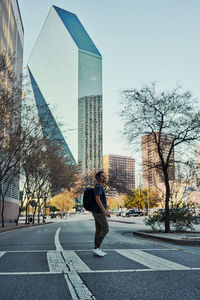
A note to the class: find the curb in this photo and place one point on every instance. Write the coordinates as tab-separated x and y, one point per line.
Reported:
4	229
118	221
121	221
166	239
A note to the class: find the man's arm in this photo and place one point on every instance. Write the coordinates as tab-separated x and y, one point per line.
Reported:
98	200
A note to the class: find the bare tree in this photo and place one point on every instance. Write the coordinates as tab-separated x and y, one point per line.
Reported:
46	172
174	114
10	123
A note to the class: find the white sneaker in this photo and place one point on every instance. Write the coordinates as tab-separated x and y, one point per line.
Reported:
98	252
104	253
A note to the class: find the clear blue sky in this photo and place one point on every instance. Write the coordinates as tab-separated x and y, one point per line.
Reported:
140	40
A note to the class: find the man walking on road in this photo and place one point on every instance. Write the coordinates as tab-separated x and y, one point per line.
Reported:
100	214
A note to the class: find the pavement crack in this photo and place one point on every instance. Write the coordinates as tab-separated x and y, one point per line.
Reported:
61	253
77	287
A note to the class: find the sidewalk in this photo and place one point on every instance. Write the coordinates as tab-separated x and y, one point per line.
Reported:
12	226
179	238
21	224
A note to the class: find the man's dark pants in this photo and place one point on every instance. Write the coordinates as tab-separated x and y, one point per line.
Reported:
102	228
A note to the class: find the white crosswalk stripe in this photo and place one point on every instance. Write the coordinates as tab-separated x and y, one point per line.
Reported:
71	259
74	262
151	261
56	262
2	253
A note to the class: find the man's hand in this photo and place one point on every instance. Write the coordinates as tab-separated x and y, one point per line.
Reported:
107	214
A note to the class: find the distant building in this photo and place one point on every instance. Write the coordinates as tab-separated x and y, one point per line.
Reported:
11	42
120	169
138	181
152	175
65	69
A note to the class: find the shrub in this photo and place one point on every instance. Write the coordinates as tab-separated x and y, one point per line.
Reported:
181	219
155	222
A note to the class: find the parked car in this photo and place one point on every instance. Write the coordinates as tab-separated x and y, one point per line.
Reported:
133	212
152	211
119	213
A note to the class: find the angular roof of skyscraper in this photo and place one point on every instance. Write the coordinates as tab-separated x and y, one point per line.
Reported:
77	31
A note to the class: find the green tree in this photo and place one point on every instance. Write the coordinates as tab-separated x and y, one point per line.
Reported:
142	198
135	199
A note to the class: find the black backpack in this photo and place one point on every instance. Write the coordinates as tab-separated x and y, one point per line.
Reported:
89	201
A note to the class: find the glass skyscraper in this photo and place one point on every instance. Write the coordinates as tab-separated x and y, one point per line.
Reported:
66	66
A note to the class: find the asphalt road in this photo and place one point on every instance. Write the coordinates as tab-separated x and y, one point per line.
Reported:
55	261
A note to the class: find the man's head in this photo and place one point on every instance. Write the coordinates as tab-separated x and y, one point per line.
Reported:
100	177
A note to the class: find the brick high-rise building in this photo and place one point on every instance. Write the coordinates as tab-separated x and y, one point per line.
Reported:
152	174
121	169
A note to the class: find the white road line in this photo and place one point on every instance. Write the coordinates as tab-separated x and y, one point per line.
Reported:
2	253
151	261
71	289
30	273
80	290
74	262
57	242
93	272
28	251
86	250
119	271
144	249
77	288
137	270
